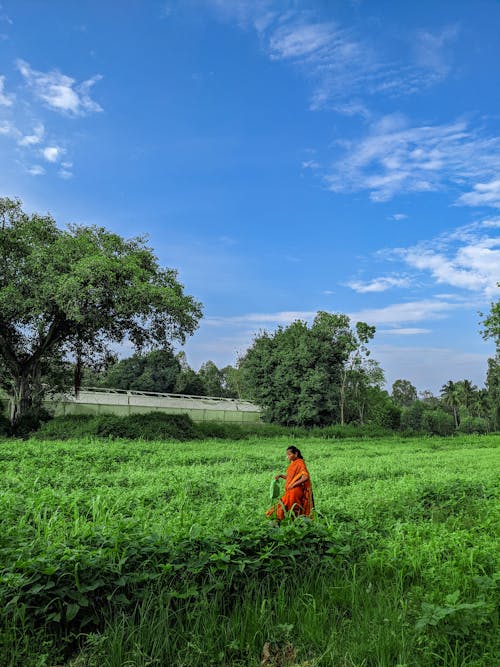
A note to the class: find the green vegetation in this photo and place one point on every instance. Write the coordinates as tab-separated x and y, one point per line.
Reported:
117	552
76	292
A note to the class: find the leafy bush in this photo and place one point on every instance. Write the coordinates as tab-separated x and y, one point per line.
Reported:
4	425
473	425
411	418
148	426
437	422
31	421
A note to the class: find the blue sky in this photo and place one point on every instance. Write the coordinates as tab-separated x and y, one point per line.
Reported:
285	157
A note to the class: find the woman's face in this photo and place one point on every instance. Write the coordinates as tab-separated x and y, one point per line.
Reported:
291	455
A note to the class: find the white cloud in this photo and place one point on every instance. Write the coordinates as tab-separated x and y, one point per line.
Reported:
467	258
65	174
36	170
398	216
60	92
8	129
408	331
431	49
395	158
33	139
378	284
52	153
483	194
342	66
402	313
5	99
260	319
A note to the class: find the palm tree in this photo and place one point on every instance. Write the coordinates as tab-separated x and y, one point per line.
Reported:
449	395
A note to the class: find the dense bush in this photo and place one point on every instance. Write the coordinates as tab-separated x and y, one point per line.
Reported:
148	426
473	425
30	421
411	418
437	422
4	425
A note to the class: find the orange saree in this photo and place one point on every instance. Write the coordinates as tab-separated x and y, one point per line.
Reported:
298	500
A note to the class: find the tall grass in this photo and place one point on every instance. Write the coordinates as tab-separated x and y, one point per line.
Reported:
136	553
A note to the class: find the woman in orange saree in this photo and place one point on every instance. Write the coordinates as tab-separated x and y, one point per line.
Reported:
298	497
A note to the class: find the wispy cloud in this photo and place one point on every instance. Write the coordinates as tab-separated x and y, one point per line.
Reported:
59	91
35	138
396	158
483	194
402	313
398	216
36	170
408	331
344	67
432	49
6	100
379	284
467	258
260	319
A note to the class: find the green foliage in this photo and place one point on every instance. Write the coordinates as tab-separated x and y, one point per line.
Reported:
75	291
155	371
148	426
147	553
473	425
298	373
403	393
411	417
437	422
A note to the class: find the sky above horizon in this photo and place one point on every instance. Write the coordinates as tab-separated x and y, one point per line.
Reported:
285	157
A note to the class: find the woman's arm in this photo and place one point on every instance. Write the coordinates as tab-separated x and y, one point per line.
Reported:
277	477
303	478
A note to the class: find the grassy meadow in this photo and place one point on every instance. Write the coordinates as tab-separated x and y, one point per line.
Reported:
133	553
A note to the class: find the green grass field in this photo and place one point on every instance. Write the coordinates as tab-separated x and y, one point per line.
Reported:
133	553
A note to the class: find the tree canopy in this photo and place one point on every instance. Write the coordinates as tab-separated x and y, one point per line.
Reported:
76	291
297	373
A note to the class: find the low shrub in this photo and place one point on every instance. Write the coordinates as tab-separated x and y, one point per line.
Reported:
473	425
437	422
4	425
30	422
148	426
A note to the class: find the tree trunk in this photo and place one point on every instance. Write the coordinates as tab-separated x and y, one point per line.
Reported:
21	398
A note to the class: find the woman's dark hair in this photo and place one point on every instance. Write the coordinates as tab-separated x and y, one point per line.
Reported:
294	450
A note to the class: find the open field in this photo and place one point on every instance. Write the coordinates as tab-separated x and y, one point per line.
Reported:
158	553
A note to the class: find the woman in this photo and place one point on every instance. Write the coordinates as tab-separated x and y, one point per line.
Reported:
298	497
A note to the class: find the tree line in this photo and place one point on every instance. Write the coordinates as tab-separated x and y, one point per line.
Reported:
68	297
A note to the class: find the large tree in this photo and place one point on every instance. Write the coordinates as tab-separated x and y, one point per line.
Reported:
295	373
76	291
404	393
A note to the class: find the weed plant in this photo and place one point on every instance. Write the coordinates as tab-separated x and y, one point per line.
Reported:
120	552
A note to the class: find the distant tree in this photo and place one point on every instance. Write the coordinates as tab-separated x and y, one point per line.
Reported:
295	374
233	382
492	330
155	371
355	371
466	395
429	400
492	324
450	398
403	393
361	379
493	392
212	379
188	381
76	292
